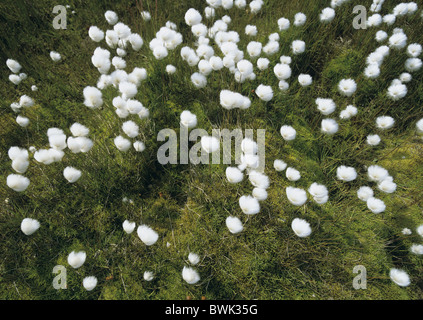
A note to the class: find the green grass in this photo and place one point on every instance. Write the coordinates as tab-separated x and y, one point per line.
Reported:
188	204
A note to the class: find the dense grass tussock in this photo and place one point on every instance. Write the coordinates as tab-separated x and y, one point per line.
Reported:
145	230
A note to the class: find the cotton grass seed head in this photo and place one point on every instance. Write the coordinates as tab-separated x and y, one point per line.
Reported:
190	275
76	259
301	227
234	224
89	283
147	235
249	205
399	277
29	226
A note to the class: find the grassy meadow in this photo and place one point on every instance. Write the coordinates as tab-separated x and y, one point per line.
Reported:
187	204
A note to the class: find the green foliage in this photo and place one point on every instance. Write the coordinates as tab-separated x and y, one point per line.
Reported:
187	204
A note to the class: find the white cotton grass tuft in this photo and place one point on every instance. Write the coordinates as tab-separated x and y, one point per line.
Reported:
349	112
48	156
262	63
258	179
210	144
147	235
136	41
398	40
193	258
231	100
20	165
301	227
29	226
419	230
25	101
381	36
385	122
13	65
198	80
327	15
375	205
329	126
373	139
405	77
79	144
118	62
305	80
71	174
296	196
190	275
111	17
364	193
255	6
89	283
346	174
139	146
406	231
292	174
130	128
347	87
234	175
188	119
319	193
417	249
283	85
399	277
15	79
55	56
397	91
76	259
249	146
260	194
148	276
22	121
234	224
300	19
283	24
282	71
377	173
414	50
288	133
249	205
298	46
279	165
122	143
79	130
387	186
264	92
192	17
146	16
250	30
92	97
170	69
413	64
95	34
128	90
128	226
325	106
17	182
372	71
57	141
419	126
